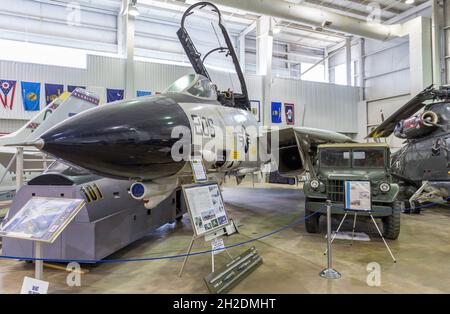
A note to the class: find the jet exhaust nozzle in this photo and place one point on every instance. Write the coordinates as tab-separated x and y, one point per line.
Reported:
430	118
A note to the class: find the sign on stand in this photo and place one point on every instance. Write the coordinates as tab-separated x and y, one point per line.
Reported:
208	216
42	220
358	195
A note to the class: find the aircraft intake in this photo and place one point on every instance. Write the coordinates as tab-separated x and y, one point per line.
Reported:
417	126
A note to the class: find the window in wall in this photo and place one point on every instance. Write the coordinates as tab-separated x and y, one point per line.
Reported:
317	74
340	74
42	54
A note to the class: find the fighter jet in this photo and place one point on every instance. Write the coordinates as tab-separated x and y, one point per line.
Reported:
63	107
151	140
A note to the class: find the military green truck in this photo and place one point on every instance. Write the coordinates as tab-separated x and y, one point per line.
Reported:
337	163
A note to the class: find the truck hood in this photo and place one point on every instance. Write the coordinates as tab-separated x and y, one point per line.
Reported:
372	175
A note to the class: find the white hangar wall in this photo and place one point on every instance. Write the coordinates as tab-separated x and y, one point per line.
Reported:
388	83
325	106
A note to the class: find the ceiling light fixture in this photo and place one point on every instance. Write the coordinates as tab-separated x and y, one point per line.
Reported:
410	1
132	10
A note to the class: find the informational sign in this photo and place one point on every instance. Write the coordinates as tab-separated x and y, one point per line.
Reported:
34	286
206	208
358	195
255	106
198	169
42	219
217	246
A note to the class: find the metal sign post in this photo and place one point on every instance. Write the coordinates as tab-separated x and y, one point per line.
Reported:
39	263
329	272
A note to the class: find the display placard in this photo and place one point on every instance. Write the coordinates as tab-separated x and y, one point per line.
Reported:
358	195
42	219
198	170
34	286
206	208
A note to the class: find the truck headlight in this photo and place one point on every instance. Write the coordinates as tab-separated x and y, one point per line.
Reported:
385	187
315	184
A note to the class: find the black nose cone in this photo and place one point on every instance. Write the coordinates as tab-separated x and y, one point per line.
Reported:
129	139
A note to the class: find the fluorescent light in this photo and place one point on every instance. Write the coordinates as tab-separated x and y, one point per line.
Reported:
410	1
276	30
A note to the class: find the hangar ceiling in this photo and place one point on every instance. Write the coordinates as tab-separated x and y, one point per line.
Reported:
44	21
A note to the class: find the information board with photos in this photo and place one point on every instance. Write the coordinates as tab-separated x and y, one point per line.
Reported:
42	219
206	208
358	195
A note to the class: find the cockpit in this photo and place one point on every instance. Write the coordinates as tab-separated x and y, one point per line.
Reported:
195	85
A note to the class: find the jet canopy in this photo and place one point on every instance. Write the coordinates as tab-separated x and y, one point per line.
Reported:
195	85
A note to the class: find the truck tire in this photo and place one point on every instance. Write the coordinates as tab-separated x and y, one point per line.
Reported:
391	225
311	223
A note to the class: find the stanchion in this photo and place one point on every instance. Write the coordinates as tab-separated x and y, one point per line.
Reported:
329	272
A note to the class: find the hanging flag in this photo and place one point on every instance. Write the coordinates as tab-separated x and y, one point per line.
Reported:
53	91
71	88
7	88
31	96
141	93
290	114
276	112
114	94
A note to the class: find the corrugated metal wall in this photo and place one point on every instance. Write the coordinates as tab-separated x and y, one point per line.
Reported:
320	105
327	106
388	85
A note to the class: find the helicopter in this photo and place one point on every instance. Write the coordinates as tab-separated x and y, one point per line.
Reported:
422	165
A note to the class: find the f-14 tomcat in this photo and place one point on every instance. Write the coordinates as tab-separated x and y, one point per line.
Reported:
422	165
151	139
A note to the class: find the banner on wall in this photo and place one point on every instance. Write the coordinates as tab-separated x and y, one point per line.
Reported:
142	93
276	112
53	91
290	114
71	88
114	94
31	96
8	89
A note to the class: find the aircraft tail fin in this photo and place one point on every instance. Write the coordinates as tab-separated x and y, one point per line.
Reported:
63	107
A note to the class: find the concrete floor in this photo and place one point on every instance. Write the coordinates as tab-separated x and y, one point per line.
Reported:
292	259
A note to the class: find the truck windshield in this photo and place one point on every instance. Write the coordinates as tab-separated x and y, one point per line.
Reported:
331	157
368	158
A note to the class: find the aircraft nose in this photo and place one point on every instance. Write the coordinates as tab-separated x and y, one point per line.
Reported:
129	139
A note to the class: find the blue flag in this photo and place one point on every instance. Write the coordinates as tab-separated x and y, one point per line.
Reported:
31	96
71	88
141	93
114	94
53	91
276	112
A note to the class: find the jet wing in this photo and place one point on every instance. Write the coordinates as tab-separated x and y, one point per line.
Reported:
319	136
409	109
298	145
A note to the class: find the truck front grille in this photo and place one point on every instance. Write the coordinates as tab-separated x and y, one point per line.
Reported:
336	190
